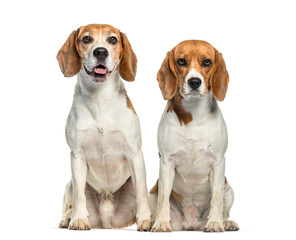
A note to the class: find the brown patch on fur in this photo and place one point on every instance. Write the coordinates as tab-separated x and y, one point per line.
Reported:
177	196
130	105
70	206
225	182
128	60
175	105
68	57
154	190
219	78
166	77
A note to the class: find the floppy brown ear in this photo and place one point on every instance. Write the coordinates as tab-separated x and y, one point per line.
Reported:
166	77
68	58
220	78
128	60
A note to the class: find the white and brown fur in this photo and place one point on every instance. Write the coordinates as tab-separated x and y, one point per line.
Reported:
192	192
108	186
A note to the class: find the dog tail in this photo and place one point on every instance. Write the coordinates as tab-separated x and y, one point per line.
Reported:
106	209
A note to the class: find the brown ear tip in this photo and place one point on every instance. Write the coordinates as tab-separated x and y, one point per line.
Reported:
220	99
67	73
70	73
128	60
220	96
129	77
62	68
166	98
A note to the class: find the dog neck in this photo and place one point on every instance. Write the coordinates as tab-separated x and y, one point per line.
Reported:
109	89
200	107
192	108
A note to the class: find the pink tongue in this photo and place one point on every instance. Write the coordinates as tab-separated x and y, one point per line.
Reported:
101	70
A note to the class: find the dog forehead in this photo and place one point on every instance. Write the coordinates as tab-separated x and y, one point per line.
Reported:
194	48
99	29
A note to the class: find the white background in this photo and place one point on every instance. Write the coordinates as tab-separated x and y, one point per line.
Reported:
257	39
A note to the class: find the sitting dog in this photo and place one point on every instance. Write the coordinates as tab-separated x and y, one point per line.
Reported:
192	192
108	187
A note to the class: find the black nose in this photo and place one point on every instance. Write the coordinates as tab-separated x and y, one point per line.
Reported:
194	83
101	53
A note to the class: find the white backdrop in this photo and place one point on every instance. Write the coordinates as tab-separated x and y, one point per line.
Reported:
257	39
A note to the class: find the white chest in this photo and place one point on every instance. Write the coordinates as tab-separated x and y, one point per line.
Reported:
193	158
193	148
105	152
100	132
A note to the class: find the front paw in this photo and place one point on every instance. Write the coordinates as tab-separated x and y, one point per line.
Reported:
214	227
230	226
161	227
144	225
79	224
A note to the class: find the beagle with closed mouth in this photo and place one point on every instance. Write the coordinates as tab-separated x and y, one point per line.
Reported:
108	186
192	192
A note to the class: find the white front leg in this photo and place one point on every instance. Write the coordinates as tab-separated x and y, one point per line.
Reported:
79	220
138	174
215	219
165	184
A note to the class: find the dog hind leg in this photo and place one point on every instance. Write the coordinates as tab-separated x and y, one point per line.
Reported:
67	206
125	206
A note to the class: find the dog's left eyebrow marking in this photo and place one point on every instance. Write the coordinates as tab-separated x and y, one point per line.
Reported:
108	34
90	33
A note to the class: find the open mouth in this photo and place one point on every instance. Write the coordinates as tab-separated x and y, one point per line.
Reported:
98	72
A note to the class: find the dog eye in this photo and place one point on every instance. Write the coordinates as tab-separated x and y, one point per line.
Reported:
181	62
206	62
86	40
112	40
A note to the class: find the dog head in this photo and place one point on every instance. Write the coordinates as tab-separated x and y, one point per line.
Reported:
193	68
98	49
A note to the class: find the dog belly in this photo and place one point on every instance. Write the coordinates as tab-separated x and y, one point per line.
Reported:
108	169
192	182
192	171
108	173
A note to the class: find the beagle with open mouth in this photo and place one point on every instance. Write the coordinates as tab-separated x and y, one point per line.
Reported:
108	186
192	192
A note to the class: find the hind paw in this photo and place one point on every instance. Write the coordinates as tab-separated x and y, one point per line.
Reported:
64	223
